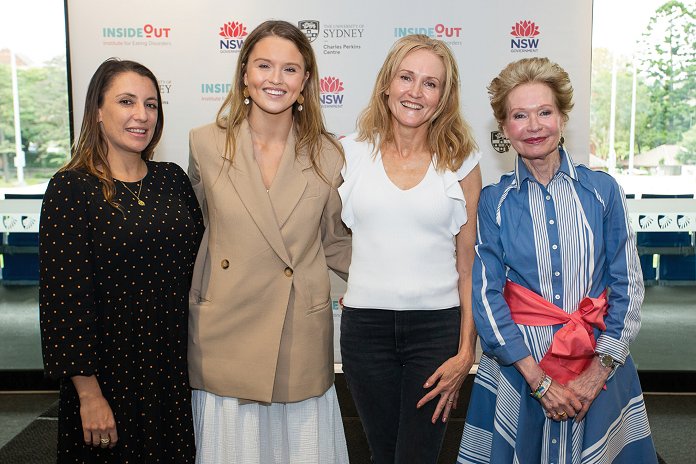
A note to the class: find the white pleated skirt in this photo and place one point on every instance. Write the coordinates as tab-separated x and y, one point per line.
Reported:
306	432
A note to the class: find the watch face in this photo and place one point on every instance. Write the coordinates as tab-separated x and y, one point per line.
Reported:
606	360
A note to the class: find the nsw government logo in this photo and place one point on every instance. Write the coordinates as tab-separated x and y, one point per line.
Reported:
310	28
331	92
524	35
232	33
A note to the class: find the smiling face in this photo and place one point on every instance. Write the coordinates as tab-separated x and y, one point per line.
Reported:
274	75
128	114
415	90
533	123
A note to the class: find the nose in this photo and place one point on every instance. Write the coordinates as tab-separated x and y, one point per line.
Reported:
416	89
140	112
534	124
276	77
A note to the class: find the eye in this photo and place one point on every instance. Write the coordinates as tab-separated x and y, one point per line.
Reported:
431	84
264	65
152	106
291	69
405	77
545	112
126	101
518	116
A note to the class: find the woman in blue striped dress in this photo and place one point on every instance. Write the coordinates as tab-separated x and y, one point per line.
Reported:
557	296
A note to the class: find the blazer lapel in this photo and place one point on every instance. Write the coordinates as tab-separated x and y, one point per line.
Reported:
246	180
289	183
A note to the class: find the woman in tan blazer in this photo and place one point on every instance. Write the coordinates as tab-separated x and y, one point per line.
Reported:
261	325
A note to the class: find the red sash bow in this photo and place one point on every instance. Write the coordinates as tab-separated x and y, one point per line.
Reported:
572	348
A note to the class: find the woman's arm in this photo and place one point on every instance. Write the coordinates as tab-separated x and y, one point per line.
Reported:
69	322
335	237
451	374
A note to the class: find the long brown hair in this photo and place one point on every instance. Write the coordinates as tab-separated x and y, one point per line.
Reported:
308	124
89	152
449	136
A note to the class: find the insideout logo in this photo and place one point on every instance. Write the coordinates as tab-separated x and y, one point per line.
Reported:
439	31
331	92
232	33
148	31
524	37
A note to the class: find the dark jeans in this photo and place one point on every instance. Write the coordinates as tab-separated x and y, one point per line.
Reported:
387	357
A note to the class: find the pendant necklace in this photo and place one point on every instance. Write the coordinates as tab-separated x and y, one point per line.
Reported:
137	197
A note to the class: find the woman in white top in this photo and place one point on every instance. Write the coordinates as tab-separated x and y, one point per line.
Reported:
411	188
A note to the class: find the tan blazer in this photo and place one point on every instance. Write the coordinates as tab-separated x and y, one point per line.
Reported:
260	324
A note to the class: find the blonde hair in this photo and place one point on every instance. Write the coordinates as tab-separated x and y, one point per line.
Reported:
308	124
449	136
530	71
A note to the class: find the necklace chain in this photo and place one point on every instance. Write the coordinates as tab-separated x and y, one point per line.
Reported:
137	197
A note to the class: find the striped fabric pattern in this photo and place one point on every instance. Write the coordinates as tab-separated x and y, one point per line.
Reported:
565	241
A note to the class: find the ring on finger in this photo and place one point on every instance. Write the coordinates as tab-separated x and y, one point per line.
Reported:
561	414
450	401
105	440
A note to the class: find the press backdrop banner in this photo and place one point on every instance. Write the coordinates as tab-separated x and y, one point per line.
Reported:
192	48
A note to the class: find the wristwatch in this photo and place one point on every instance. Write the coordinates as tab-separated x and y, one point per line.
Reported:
607	360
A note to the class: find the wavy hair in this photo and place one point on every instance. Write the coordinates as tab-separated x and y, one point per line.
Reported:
449	136
529	71
308	124
90	151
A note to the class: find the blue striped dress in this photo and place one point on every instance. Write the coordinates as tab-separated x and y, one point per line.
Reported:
565	241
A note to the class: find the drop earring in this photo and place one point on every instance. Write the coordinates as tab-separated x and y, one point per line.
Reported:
300	101
561	141
245	93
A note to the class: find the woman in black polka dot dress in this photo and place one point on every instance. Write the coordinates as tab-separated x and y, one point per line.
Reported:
119	235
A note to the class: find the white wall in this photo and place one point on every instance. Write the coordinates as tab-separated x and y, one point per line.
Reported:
180	42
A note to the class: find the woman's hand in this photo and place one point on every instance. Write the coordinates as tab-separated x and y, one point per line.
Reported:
588	385
98	423
560	403
447	380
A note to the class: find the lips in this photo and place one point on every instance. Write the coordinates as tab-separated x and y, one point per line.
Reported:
136	131
411	105
275	92
535	140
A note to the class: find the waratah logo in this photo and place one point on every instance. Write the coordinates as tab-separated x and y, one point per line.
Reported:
331	88
233	29
524	33
233	33
330	85
525	29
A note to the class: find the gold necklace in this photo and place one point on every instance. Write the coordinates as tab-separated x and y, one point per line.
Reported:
137	197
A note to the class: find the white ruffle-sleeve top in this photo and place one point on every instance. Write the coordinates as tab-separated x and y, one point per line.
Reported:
403	240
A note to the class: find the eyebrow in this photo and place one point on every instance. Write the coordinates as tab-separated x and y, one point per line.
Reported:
131	95
291	63
412	73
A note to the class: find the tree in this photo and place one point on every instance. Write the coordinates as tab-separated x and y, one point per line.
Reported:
688	142
668	60
600	104
43	103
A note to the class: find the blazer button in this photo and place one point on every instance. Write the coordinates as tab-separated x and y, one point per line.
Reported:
288	272
224	264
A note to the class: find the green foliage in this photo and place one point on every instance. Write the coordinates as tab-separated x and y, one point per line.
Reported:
668	61
600	105
689	142
43	108
666	85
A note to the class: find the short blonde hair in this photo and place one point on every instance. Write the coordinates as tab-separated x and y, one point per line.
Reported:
530	71
449	137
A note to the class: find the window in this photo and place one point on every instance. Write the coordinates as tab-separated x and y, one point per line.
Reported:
33	83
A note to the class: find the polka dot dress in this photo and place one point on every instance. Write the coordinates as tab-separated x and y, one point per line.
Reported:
114	303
